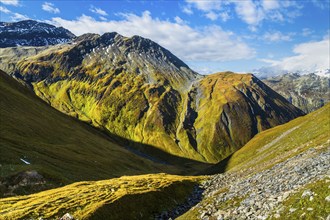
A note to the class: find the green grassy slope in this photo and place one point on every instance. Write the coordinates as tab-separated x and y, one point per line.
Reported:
133	197
60	148
277	144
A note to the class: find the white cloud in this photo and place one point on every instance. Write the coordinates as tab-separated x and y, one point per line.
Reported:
224	16
103	18
205	5
323	4
306	32
215	15
187	10
50	7
309	57
98	11
191	44
10	2
270	4
252	12
213	9
4	10
179	20
212	16
13	16
277	36
19	17
249	12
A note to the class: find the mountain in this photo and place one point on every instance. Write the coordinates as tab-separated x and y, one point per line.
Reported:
307	92
268	72
42	148
32	33
281	173
137	90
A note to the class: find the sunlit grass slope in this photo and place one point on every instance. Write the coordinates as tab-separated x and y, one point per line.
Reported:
62	149
130	197
277	144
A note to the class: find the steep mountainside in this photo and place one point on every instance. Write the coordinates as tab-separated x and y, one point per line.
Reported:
32	33
135	89
307	92
43	148
282	173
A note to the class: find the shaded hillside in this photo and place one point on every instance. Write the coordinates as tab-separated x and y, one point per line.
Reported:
308	92
41	147
135	89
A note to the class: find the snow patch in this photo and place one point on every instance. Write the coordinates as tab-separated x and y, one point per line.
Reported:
26	162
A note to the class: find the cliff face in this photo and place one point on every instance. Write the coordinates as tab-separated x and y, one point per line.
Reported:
135	89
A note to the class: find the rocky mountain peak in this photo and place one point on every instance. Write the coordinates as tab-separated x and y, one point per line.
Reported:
32	33
109	38
114	53
88	36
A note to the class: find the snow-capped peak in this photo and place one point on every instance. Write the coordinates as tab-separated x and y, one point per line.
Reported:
32	33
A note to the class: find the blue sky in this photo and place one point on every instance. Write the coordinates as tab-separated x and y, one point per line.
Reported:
271	36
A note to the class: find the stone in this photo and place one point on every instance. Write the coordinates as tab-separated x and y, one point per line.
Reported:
277	215
202	215
327	199
292	210
285	195
306	193
67	216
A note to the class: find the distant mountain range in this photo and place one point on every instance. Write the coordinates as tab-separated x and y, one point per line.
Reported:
308	92
268	72
32	33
